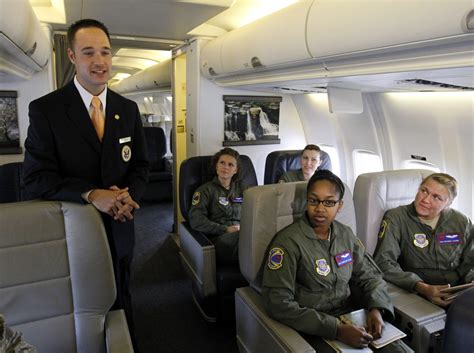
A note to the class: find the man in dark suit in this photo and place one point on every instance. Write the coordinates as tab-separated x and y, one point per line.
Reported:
71	158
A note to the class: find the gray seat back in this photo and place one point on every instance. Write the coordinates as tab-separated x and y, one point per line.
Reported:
375	193
266	210
56	275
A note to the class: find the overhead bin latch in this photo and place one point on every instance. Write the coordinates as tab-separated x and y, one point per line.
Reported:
212	72
256	62
31	51
468	25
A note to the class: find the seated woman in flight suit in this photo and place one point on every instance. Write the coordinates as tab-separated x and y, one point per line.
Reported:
215	208
310	161
426	246
309	266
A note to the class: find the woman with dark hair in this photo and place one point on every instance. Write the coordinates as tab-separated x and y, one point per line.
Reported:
215	208
310	264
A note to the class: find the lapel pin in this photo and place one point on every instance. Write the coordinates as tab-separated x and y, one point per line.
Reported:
117	117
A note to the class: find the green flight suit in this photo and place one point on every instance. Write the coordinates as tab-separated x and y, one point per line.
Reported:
409	251
12	341
306	280
292	176
213	209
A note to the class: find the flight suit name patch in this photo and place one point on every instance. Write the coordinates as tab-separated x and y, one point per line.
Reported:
448	239
237	200
322	267
223	201
275	258
344	258
419	239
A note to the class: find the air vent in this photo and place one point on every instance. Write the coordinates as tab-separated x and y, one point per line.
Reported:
300	90
434	84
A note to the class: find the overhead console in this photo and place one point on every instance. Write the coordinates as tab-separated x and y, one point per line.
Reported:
24	46
154	77
335	38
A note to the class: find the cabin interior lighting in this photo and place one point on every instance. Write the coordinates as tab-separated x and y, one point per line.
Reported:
50	11
241	13
137	63
120	76
155	55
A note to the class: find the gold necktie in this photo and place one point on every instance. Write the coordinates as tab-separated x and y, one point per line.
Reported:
98	119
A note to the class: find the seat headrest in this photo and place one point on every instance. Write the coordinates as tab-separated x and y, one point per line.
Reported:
375	193
266	210
279	162
156	146
196	171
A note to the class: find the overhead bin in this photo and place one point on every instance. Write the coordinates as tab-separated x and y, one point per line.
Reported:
338	27
157	76
268	42
330	38
24	46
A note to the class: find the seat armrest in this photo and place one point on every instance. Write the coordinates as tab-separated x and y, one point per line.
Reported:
117	336
417	317
257	332
198	257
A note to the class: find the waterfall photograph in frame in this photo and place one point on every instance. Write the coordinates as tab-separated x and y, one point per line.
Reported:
9	130
251	120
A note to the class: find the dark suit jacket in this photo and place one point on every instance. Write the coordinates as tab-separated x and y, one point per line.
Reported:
64	157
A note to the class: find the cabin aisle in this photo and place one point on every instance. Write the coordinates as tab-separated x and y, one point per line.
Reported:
166	319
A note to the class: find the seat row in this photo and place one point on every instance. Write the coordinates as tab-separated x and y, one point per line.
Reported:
266	210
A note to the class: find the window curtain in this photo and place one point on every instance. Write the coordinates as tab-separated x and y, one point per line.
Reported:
64	68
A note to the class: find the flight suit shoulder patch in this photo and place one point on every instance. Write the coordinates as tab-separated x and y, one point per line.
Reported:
275	258
196	198
383	228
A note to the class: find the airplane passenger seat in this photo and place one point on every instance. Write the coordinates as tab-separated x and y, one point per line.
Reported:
279	162
266	210
56	278
160	178
213	288
374	194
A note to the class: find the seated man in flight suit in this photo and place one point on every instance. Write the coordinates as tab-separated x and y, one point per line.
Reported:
310	263
426	246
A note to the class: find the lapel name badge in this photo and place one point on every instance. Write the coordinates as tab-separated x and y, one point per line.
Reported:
117	117
126	153
125	139
322	267
420	240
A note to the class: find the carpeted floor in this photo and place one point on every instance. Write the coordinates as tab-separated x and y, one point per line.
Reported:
166	318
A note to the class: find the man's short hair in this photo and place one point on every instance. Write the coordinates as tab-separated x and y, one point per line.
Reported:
84	23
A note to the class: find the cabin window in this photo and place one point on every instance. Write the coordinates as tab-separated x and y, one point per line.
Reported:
366	162
415	164
334	155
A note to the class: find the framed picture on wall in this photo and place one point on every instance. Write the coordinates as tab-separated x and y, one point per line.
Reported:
251	120
9	130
